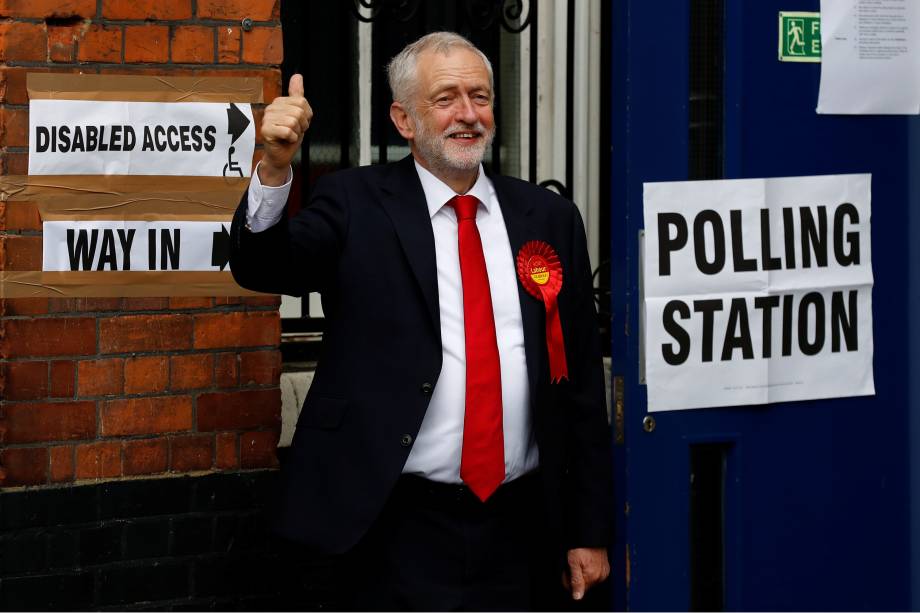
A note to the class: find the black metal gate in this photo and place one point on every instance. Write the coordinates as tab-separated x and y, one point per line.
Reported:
321	43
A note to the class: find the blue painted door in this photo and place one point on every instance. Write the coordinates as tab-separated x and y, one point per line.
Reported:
805	505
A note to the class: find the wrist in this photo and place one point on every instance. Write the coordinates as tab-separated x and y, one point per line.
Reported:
271	175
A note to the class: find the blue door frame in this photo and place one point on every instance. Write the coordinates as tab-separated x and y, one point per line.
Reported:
817	494
913	307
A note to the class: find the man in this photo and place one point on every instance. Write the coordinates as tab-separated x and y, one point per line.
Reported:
455	435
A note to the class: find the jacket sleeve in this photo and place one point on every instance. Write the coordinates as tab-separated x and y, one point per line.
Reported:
295	256
589	482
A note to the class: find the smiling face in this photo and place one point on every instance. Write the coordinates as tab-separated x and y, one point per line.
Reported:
451	124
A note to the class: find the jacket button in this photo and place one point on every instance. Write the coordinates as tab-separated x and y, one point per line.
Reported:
406	440
427	388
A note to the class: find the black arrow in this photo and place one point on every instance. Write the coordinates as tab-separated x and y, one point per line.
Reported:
237	122
220	248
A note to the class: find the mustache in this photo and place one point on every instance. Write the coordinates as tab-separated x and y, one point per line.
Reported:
457	128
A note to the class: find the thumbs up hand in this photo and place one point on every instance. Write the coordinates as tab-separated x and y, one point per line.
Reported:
284	123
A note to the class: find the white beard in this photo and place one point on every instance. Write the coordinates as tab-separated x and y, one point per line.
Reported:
443	153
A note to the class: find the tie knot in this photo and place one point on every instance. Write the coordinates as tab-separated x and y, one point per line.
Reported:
465	206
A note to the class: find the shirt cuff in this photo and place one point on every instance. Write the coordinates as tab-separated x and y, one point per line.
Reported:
266	204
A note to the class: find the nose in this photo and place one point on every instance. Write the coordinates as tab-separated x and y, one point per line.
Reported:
466	112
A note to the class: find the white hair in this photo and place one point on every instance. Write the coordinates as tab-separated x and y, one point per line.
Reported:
401	69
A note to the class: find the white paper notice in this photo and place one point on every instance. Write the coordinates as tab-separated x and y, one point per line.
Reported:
135	245
87	137
757	291
870	58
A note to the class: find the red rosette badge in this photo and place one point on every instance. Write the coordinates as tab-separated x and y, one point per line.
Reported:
540	272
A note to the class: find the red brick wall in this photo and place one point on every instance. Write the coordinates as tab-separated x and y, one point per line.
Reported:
117	388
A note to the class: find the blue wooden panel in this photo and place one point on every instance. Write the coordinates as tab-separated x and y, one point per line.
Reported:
650	139
817	495
914	342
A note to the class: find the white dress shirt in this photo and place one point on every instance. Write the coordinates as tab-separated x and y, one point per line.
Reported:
436	451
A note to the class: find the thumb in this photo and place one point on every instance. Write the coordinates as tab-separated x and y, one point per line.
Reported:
295	87
578	581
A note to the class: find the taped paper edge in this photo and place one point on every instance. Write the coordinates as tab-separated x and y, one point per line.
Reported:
118	284
217	190
142	88
139	208
220	216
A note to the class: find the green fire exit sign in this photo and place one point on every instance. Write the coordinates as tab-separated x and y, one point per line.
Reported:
799	37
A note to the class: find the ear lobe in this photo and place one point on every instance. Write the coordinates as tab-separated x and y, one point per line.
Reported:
402	121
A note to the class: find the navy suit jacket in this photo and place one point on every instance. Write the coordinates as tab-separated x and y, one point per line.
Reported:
366	243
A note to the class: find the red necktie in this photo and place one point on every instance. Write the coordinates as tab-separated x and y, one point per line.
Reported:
482	463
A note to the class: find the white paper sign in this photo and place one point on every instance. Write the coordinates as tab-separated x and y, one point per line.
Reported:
870	57
87	137
757	291
135	245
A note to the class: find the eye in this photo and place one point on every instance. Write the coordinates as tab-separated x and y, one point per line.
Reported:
443	100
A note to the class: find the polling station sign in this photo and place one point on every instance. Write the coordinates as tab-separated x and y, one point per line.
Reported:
757	291
107	137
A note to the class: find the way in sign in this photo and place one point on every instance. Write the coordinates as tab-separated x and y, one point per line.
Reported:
135	246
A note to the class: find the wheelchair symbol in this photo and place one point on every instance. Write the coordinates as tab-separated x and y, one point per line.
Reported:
231	164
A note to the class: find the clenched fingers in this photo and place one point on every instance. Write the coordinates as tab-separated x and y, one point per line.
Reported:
286	119
587	567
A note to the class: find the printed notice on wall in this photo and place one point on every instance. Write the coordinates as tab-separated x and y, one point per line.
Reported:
102	137
145	246
135	179
757	291
870	57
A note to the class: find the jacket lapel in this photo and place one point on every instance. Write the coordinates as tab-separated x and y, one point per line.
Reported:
519	223
404	202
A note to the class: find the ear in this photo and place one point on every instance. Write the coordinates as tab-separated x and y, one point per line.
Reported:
402	121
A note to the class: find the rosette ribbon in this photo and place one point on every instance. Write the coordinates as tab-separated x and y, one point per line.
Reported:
540	272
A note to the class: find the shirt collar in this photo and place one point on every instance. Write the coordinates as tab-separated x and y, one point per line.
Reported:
437	193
